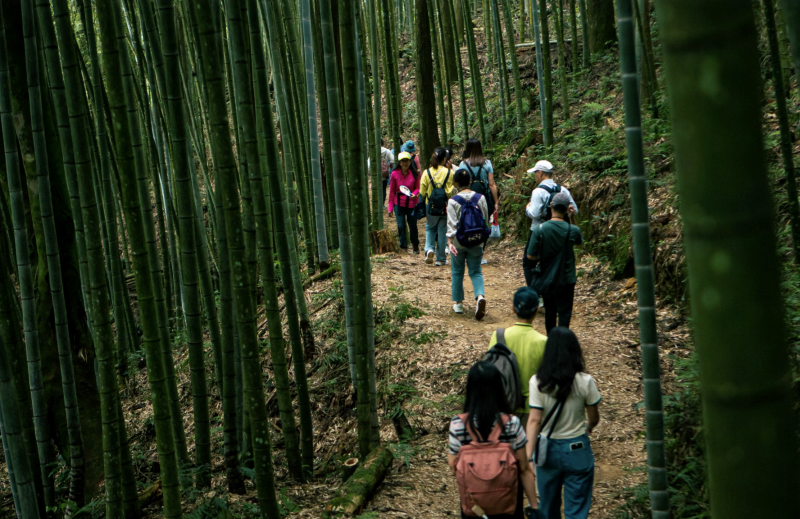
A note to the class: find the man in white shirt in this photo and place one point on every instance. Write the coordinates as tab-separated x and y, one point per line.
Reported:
538	209
387	163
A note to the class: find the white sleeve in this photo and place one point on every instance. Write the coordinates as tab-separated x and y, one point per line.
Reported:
453	216
535	399
484	209
529	210
572	201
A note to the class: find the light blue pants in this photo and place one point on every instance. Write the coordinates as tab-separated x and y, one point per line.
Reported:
471	258
570	464
435	235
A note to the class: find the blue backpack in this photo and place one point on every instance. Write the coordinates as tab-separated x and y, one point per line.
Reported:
472	229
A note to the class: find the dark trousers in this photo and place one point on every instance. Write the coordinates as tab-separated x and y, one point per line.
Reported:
559	306
385	186
528	266
406	215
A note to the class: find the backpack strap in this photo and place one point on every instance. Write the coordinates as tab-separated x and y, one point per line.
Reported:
446	178
501	336
498	429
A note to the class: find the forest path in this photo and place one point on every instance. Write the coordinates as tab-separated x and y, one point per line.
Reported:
608	335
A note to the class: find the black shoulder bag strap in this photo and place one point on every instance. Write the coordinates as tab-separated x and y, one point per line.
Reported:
558	407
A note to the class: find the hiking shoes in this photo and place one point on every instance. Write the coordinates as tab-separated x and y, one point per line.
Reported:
458	308
438	264
480	311
484	262
416	249
429	257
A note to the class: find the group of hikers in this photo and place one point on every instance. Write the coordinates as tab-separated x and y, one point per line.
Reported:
529	405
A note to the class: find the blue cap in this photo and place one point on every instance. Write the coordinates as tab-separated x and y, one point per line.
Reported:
526	302
409	146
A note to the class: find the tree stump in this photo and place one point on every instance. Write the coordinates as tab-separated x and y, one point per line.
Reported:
360	486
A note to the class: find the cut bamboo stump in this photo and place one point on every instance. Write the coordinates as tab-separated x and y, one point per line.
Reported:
349	468
360	486
383	241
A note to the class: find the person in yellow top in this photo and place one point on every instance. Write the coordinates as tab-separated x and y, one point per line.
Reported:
526	343
436	187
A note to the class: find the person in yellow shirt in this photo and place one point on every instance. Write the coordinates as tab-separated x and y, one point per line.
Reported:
526	343
436	187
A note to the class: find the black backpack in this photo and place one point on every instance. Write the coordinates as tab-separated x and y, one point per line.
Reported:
477	184
506	361
437	201
548	210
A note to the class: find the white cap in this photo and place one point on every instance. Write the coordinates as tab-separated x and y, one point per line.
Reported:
542	165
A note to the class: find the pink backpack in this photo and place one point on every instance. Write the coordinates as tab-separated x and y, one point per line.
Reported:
487	473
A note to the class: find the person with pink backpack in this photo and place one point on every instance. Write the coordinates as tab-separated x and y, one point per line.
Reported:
487	451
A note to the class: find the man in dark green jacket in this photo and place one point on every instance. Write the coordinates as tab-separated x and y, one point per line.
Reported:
546	245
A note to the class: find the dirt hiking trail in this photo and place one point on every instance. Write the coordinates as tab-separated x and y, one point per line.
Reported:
424	486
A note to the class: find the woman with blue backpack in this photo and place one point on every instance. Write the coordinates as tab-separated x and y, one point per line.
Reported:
481	176
467	231
436	186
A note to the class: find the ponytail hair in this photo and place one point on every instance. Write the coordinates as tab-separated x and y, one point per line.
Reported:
439	157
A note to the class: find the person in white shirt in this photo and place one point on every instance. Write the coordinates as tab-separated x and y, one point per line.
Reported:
387	164
538	209
567	398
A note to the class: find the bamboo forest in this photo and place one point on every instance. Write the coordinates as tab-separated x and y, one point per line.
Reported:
399	259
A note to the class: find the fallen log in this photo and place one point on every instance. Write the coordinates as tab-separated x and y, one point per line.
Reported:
362	484
322	276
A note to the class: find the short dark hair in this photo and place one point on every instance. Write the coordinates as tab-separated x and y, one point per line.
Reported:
462	178
485	399
562	360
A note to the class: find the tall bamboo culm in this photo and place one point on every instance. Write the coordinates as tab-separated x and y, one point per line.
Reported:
13	171
225	167
120	99
63	343
645	280
713	77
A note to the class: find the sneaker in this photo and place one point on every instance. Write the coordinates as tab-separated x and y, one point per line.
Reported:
416	249
458	308
429	256
438	264
480	311
484	262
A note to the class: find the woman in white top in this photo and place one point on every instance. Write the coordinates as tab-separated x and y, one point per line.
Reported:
462	256
565	399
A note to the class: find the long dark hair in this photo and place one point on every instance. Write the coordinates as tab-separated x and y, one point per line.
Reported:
438	158
486	399
562	360
473	153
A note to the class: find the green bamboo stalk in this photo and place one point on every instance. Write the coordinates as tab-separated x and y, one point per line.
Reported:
461	87
13	171
127	137
240	275
362	292
19	469
645	278
791	12
437	72
558	19
474	70
294	298
375	150
514	61
502	72
393	80
546	73
118	500
584	36
573	26
63	343
446	56
783	124
713	76
320	84
192	312
313	136
241	67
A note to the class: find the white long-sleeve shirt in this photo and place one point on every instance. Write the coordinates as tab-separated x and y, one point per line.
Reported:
537	207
